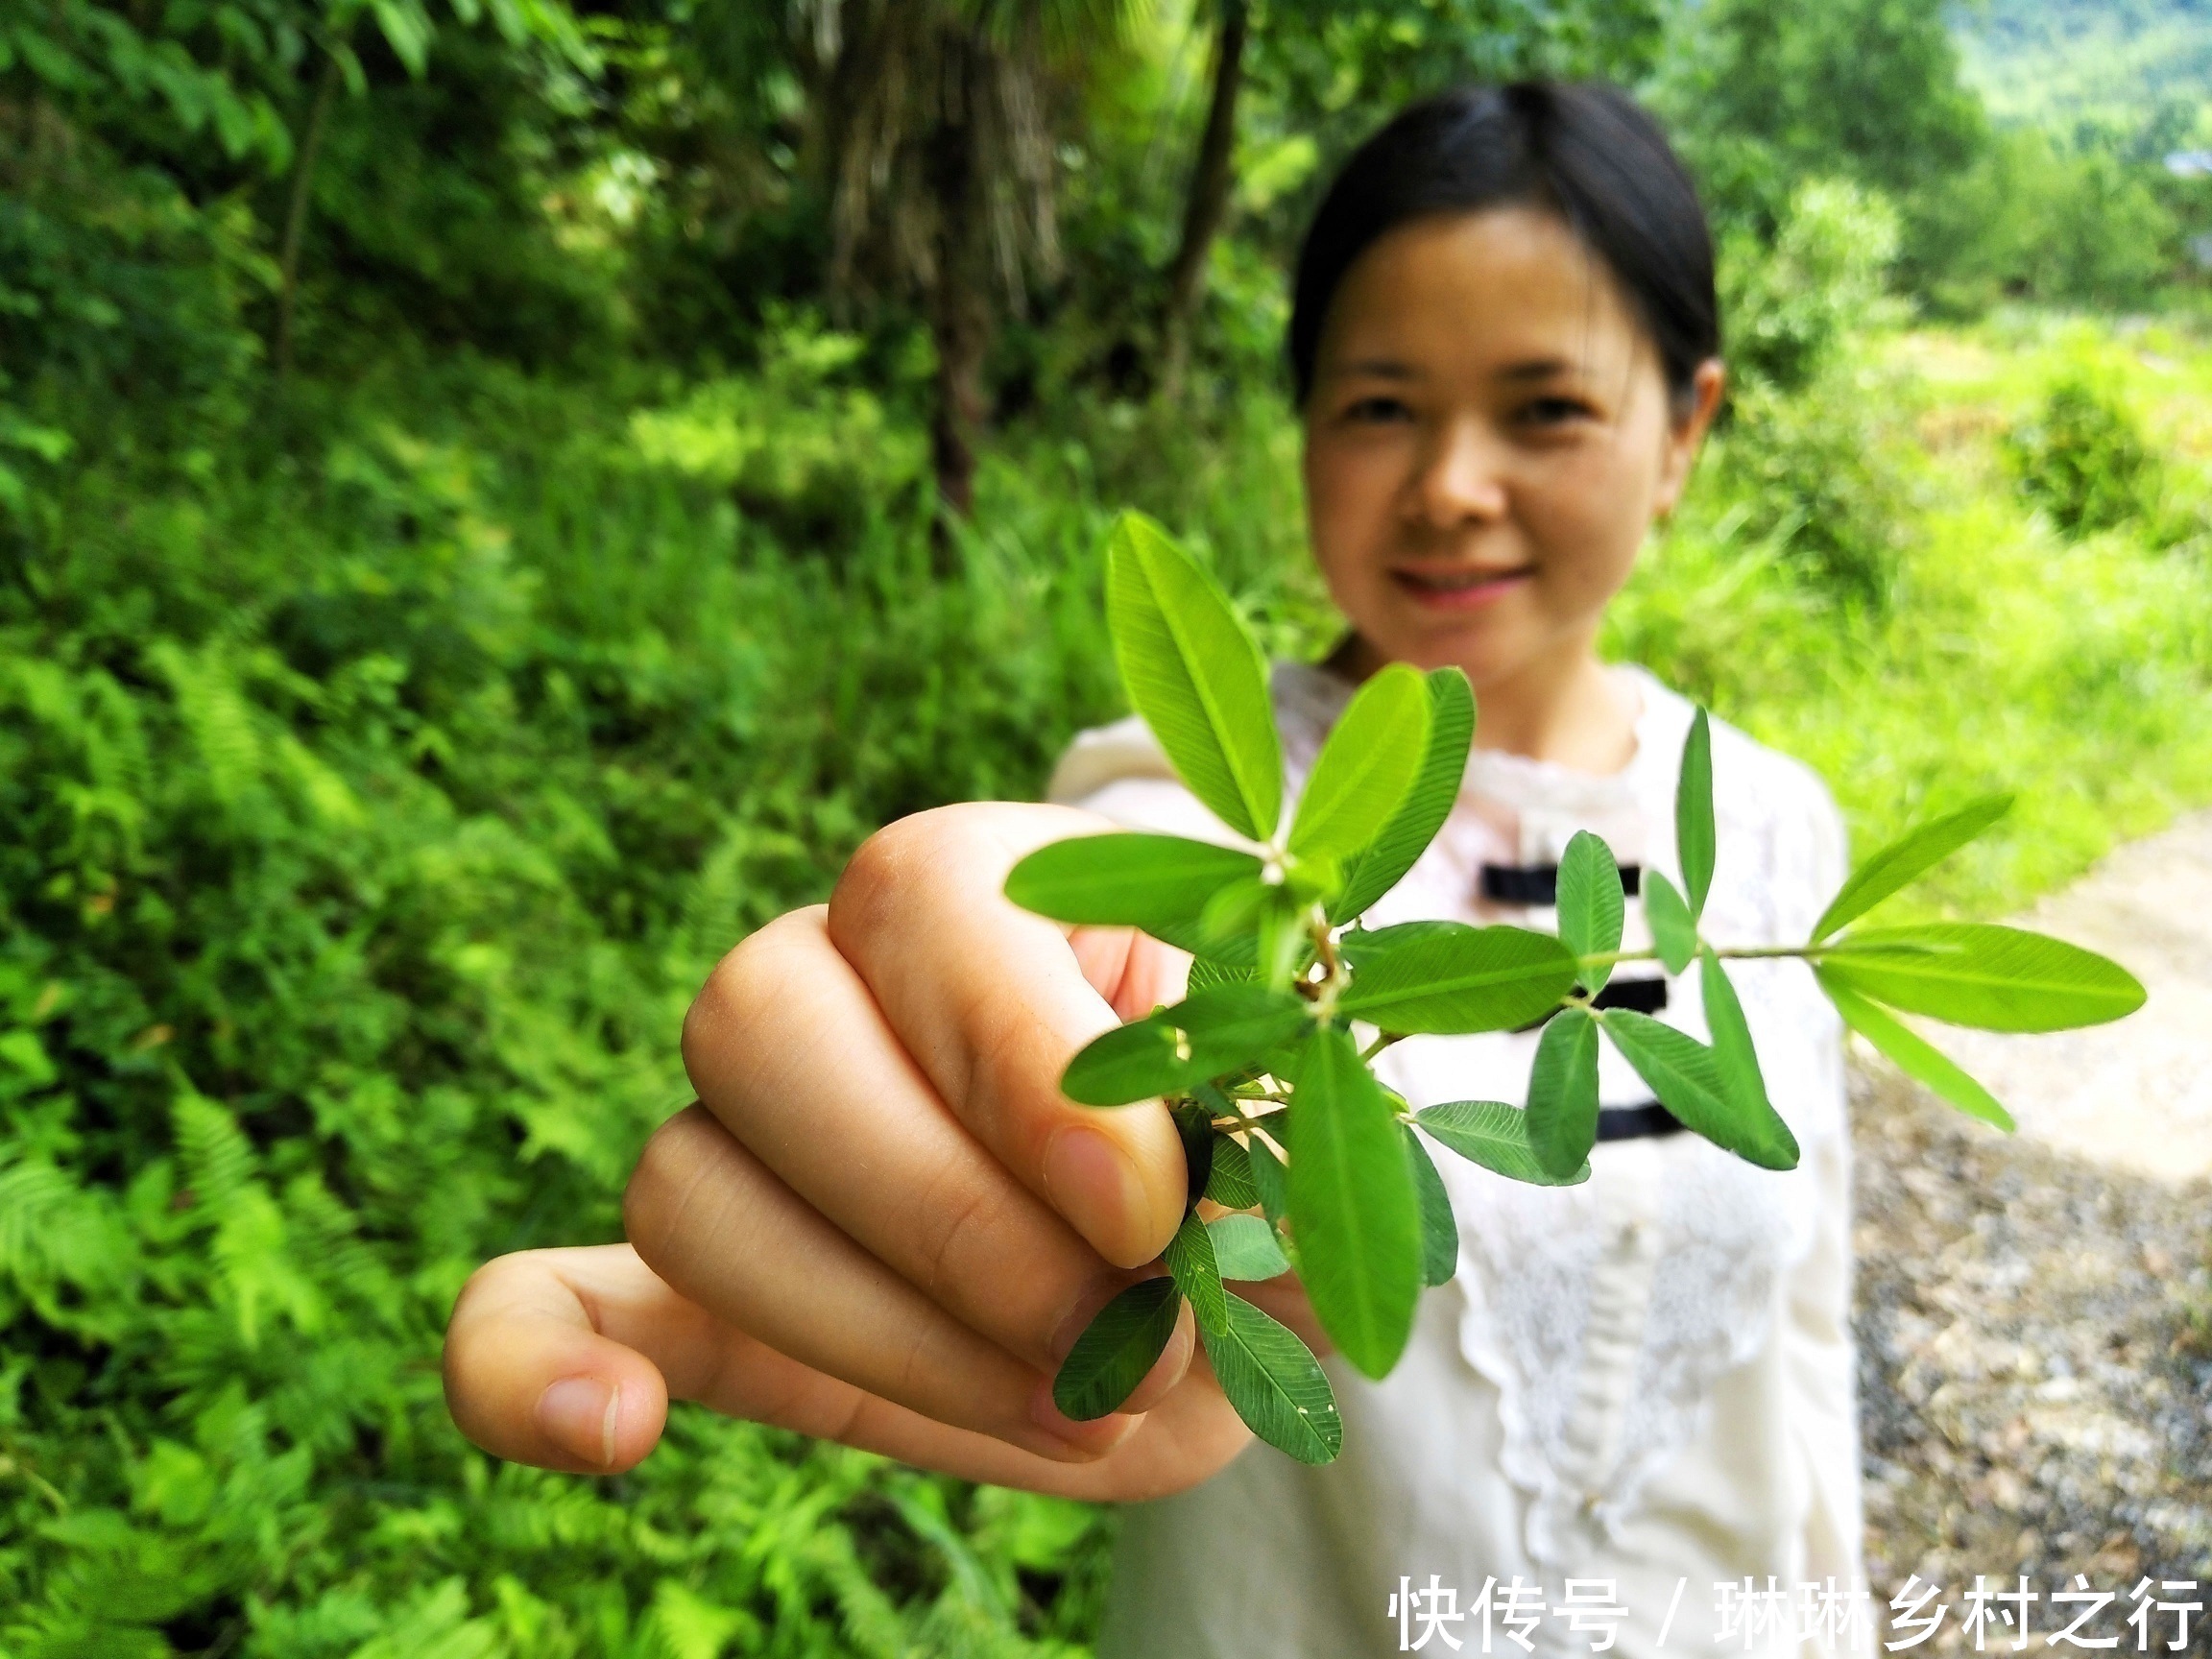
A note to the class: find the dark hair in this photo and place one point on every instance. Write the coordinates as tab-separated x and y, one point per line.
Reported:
1588	153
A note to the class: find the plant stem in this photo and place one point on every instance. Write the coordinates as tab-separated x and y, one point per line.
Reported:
1240	1119
1614	956
1727	954
1742	951
1330	984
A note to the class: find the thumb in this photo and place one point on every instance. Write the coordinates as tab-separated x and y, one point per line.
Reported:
532	1374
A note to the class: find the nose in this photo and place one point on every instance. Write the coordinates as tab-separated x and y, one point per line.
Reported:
1461	480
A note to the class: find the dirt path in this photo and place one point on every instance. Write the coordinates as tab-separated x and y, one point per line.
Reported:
2034	1313
2136	1095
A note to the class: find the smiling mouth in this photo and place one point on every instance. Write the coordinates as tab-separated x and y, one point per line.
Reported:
1458	589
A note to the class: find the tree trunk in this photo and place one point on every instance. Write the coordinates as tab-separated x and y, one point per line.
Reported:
296	216
960	327
1208	201
959	303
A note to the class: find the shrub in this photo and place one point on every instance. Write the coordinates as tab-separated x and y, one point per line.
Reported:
802	449
1825	481
1809	456
1787	309
2083	458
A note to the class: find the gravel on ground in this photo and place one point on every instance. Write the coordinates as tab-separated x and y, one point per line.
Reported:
2034	1311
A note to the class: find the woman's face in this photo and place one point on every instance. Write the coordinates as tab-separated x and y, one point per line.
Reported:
1488	440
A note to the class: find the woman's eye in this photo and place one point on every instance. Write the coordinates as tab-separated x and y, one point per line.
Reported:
1555	411
1371	410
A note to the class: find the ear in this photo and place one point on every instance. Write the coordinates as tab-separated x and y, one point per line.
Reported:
1684	436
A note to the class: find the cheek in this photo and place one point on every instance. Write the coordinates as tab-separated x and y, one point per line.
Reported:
1349	514
1590	517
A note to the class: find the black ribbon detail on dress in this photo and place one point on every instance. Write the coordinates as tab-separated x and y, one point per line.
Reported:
1642	996
1635	1122
1539	883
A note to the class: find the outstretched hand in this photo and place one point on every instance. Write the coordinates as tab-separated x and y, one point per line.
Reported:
883	1223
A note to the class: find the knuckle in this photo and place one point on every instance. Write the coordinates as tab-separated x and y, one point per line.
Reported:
882	866
665	1173
844	1426
920	1363
949	1233
740	988
906	856
720	1000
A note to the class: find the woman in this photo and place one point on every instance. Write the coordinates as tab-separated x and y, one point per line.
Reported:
1628	1420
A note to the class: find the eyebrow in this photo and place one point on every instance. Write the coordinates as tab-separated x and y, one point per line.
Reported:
1539	368
1530	370
1379	368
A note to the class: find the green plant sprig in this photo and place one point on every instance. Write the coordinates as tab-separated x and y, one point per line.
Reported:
1285	973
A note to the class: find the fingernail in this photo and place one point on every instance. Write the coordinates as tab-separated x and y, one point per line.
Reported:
1168	1371
1092	1182
1097	1436
579	1414
1087	1308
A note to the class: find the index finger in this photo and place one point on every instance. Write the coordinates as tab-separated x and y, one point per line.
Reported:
993	1001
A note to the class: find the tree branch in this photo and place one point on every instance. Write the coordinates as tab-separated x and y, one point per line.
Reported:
1207	205
295	215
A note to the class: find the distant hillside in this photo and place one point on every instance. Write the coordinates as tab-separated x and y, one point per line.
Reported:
2133	66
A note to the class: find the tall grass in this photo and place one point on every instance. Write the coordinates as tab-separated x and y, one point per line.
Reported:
2003	654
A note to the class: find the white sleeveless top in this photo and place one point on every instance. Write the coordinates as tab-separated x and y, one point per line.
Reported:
1647	1378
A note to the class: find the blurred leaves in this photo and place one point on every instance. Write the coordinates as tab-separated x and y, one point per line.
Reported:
2082	457
361	842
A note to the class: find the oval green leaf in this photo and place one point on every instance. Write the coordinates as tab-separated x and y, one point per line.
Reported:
1159	883
1281	945
1439	1227
1694	834
1116	1349
1226	924
1275	1384
1918	1060
1365	766
1981	974
1686	1076
1221	1029
1353	1207
1230	1182
1383	863
1270	1179
1313	880
1674	929
1138	1061
1245	1248
1563	1094
1207	972
1233	1026
1198	1274
1196	675
1448	977
1592	906
1495	1136
1194	1128
1907	858
1732	1053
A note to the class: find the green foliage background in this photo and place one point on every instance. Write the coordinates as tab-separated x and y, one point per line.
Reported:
388	746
